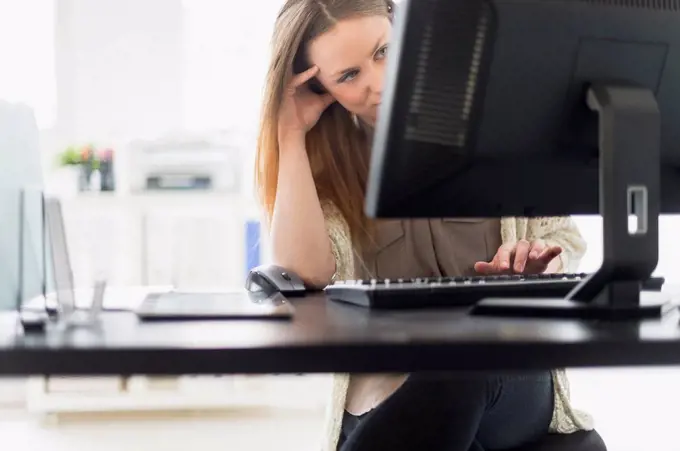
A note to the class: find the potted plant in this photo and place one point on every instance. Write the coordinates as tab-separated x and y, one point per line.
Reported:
79	162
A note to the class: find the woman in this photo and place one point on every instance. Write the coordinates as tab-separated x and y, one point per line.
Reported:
321	99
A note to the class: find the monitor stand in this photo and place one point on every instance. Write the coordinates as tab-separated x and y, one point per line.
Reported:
630	162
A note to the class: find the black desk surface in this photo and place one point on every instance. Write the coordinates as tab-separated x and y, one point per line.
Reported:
326	336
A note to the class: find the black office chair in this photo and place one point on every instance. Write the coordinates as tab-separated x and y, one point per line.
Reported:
577	441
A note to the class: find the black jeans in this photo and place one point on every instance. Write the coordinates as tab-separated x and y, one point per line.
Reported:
455	412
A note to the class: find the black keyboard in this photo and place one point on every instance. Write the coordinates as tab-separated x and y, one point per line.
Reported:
457	291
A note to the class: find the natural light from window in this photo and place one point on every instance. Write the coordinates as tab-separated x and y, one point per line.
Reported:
27	72
226	55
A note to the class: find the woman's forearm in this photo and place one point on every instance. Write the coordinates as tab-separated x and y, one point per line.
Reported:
299	239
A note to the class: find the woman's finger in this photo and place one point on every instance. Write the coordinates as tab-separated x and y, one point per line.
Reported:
537	248
521	255
327	100
504	256
304	77
485	268
549	253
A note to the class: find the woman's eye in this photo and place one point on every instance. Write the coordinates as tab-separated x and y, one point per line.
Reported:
382	52
348	76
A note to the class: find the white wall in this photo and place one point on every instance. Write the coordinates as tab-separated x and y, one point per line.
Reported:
139	68
27	56
669	245
227	53
119	69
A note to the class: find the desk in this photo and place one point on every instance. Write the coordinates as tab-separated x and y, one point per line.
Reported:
327	336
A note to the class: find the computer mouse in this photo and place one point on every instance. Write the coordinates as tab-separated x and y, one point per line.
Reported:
270	279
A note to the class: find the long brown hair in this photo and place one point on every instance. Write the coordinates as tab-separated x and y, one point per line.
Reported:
337	146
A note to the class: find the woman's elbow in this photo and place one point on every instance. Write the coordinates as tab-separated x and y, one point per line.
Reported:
314	276
316	279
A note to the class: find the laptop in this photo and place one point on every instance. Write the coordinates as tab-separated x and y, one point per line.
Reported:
58	307
62	271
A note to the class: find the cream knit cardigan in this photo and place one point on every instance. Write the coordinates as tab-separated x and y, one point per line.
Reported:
560	231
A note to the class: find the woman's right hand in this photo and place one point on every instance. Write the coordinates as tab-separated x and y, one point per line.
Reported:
301	108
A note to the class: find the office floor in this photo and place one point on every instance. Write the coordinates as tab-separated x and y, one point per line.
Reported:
256	432
634	409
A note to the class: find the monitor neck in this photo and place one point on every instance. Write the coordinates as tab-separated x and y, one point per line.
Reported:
630	165
629	187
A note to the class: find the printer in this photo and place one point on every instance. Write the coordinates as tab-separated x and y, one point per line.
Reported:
184	163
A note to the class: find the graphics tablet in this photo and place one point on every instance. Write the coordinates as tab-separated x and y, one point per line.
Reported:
177	305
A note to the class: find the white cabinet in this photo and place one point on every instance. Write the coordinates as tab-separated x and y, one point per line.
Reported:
194	247
103	241
189	240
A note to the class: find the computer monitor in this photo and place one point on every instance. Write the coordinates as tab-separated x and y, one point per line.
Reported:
537	108
22	250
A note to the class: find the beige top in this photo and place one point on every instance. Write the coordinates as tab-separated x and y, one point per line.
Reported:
418	248
421	248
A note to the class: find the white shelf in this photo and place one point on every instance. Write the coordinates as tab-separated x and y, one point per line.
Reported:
184	239
304	393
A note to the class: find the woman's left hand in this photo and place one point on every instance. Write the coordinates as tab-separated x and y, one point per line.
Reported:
523	257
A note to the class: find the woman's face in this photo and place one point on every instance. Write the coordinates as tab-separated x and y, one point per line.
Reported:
351	62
